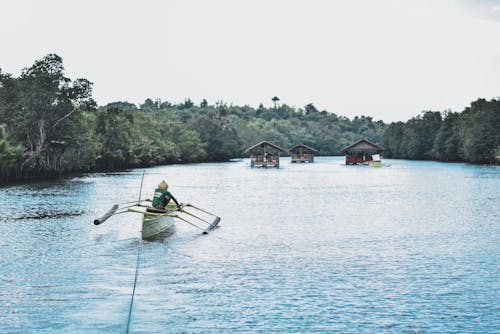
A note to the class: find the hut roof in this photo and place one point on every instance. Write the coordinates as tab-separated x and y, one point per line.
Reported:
362	145
302	146
262	144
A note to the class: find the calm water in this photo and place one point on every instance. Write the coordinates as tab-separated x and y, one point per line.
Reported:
321	248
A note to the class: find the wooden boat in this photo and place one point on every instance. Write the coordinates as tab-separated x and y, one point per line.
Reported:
157	227
159	224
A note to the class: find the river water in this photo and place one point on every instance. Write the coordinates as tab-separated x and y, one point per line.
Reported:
309	248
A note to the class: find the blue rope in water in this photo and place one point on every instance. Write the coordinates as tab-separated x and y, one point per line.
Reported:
135	284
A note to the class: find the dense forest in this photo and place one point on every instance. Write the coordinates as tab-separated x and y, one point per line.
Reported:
472	135
50	125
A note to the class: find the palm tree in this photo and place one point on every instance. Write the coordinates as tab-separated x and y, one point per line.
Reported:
275	100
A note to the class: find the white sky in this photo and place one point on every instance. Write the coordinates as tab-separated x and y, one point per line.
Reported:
389	59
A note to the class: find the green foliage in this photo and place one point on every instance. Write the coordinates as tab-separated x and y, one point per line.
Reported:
220	132
391	140
473	135
418	135
10	157
220	139
448	144
189	145
83	154
179	143
43	109
147	145
51	125
114	127
480	131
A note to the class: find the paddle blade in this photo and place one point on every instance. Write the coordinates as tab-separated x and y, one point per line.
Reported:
214	224
108	214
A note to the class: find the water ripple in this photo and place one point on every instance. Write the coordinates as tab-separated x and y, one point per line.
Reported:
320	248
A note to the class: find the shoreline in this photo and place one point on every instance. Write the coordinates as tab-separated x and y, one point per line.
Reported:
40	179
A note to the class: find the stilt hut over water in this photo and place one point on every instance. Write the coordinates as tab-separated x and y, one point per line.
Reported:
302	153
264	154
362	152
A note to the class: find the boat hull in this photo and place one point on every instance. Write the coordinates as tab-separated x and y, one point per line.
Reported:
156	227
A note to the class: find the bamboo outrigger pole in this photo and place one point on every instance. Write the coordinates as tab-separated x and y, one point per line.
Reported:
213	224
194	207
108	214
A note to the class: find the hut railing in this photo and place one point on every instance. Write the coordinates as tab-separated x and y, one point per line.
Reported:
302	157
355	159
261	159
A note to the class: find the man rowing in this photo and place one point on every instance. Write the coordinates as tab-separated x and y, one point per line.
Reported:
162	197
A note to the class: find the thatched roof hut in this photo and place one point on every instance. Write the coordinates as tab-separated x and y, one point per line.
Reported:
264	154
361	152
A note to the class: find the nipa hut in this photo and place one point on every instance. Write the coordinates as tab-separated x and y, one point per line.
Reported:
302	153
264	154
362	152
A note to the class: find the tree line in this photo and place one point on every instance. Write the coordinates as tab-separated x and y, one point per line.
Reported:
470	136
50	125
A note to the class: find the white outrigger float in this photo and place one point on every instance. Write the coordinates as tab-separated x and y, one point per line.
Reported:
159	224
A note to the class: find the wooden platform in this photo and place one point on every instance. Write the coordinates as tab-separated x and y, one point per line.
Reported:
264	154
302	153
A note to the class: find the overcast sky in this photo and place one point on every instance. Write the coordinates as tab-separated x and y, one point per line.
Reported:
390	59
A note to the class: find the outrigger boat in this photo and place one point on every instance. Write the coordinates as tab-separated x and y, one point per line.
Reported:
158	224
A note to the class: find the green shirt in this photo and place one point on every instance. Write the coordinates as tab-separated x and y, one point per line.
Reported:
162	197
